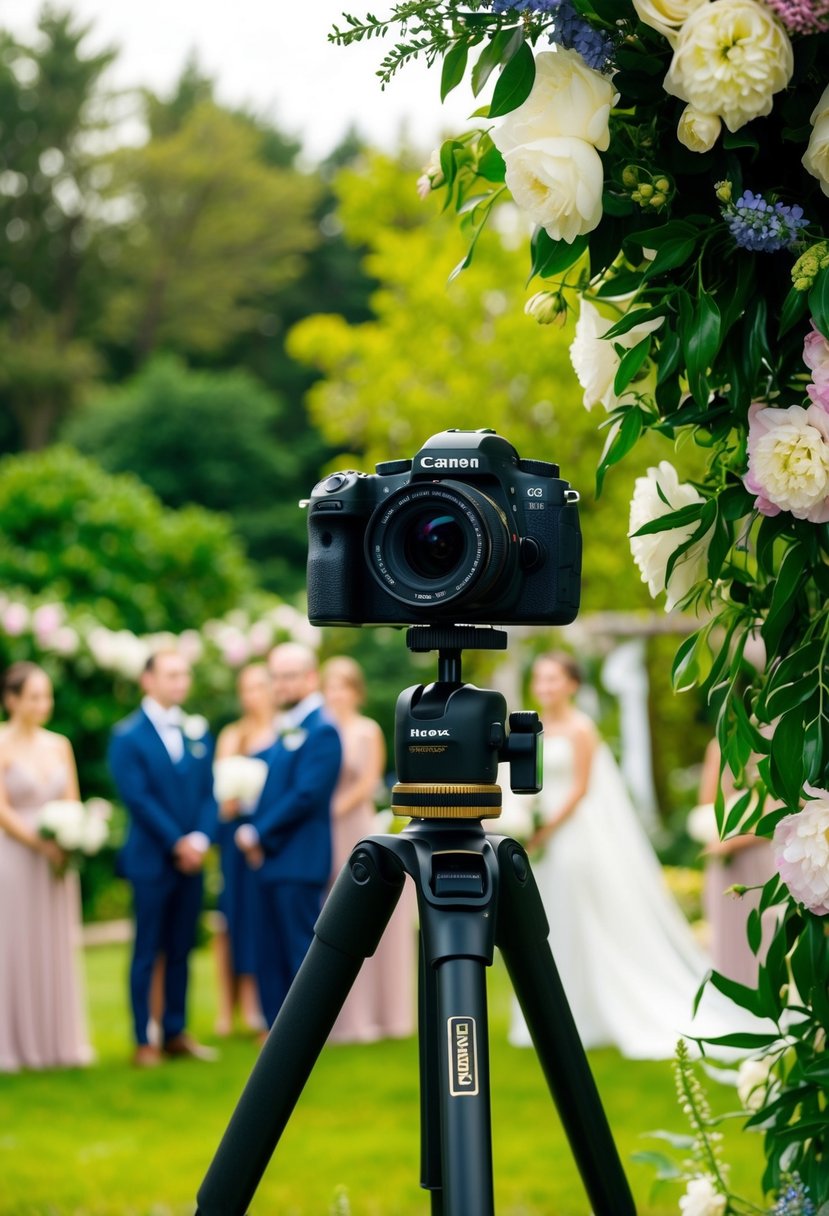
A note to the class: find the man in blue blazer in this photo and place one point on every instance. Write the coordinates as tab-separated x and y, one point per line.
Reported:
288	841
161	762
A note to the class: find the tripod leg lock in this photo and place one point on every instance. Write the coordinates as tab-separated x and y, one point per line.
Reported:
361	901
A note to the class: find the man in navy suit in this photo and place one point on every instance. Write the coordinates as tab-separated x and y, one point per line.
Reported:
161	762
288	841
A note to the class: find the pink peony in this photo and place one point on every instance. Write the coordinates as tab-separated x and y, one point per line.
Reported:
46	620
801	853
16	619
788	461
816	358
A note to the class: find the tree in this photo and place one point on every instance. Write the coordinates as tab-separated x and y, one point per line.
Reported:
461	355
207	438
208	229
50	270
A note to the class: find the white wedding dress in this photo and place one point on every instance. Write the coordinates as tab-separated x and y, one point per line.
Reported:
627	958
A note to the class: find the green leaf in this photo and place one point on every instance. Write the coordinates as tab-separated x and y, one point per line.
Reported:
551	257
665	1168
787	757
794	308
454	66
819	302
515	83
637	316
784	596
491	165
631	364
501	49
673	519
671	255
622	438
813	749
655	238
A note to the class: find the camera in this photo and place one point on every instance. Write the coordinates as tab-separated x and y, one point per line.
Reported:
466	531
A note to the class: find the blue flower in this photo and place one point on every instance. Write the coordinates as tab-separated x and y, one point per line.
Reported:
761	226
575	33
793	1198
524	6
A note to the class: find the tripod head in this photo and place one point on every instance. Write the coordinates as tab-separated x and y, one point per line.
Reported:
450	736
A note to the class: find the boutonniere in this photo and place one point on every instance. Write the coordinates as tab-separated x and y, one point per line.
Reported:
194	727
293	739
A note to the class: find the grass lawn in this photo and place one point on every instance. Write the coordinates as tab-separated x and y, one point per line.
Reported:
113	1141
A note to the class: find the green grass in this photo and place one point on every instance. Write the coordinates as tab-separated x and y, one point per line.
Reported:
113	1141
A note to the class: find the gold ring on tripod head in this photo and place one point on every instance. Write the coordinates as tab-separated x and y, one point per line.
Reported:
444	800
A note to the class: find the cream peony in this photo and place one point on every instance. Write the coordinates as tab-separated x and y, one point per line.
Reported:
702	1198
801	852
594	359
568	100
730	58
788	461
661	493
666	16
557	183
696	131
816	157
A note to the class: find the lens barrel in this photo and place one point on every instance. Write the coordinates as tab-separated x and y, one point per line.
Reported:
438	543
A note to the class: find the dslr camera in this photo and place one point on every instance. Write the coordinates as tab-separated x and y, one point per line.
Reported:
465	532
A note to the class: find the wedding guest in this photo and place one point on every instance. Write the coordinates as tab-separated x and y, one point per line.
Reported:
288	841
161	763
42	1016
253	735
744	860
381	1004
628	960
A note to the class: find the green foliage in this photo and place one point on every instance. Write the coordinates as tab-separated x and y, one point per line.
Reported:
74	534
209	228
210	438
462	356
50	268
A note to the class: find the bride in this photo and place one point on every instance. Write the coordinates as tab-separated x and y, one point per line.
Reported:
628	960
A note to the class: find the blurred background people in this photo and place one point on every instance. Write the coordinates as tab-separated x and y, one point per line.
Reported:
42	1016
627	957
745	860
381	1003
288	839
253	734
164	777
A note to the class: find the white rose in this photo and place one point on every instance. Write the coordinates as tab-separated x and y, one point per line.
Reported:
822	106
702	1198
558	184
94	835
594	358
666	16
753	1084
568	99
788	460
816	156
697	131
661	493
730	58
64	820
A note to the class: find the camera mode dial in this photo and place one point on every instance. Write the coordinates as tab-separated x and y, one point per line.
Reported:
389	468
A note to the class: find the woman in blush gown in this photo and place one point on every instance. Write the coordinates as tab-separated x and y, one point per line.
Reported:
42	1017
253	735
381	1003
627	957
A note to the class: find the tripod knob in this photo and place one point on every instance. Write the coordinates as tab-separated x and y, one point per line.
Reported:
523	752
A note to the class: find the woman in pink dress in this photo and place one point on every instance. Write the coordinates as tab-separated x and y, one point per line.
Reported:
42	1019
381	1003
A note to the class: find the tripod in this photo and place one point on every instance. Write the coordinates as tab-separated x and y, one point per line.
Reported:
474	891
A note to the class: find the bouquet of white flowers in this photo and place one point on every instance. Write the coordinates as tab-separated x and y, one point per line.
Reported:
239	778
81	829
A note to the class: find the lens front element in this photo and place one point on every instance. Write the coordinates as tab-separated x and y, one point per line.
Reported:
438	543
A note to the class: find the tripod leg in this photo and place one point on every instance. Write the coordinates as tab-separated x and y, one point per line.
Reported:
431	1176
348	931
521	935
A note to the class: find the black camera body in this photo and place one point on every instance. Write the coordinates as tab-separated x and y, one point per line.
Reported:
466	531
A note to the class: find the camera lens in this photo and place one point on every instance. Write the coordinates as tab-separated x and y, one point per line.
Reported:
438	543
434	544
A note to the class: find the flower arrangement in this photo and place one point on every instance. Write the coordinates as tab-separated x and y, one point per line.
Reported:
81	829
239	778
671	158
